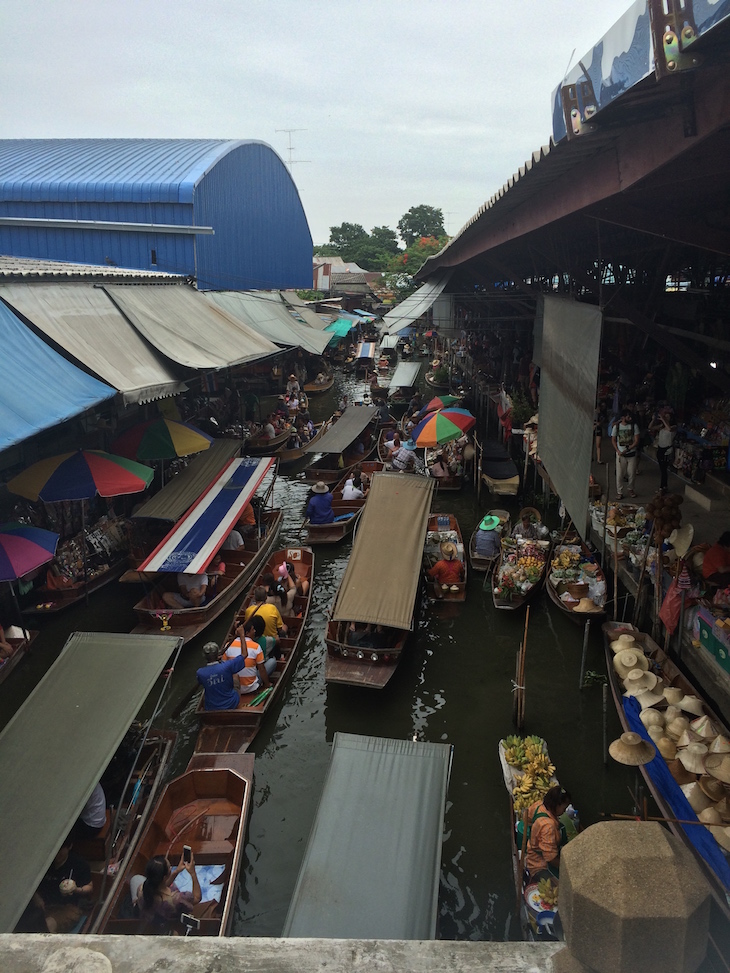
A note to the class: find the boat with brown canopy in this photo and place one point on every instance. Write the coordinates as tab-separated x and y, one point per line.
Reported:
348	441
374	610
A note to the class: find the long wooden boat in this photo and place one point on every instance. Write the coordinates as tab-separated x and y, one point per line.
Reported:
288	456
498	470
58	599
326	469
658	775
537	916
439	386
451	484
318	388
477	561
263	446
517	580
207	808
375	606
223	731
584	575
443	528
341	527
348	441
20	647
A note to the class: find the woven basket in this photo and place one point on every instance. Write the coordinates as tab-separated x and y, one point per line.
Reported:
577	590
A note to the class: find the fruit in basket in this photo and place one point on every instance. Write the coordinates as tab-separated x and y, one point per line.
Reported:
548	893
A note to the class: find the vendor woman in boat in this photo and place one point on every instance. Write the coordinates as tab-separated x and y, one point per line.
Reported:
528	528
488	540
449	571
546	836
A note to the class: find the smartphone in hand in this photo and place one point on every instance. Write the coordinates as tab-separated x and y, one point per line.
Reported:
187	854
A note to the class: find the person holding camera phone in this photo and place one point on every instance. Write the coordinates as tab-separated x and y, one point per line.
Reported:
625	440
157	901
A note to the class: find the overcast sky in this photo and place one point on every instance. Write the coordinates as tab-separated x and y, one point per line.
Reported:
399	102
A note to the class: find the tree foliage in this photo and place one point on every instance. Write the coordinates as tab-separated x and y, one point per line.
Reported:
421	221
413	258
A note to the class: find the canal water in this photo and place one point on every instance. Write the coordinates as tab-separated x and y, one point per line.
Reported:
454	685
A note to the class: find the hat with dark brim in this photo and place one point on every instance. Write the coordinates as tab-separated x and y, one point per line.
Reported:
489	522
632	749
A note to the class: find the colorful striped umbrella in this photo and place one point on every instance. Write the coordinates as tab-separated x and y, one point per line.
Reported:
439	402
24	548
161	438
461	418
436	428
80	476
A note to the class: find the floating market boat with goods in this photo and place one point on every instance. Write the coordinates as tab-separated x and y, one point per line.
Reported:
444	542
576	584
479	562
521	572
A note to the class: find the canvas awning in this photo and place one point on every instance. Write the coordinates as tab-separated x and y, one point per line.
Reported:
82	320
266	313
417	304
184	489
347	428
193	542
55	748
365	349
317	321
405	375
187	328
380	582
373	860
339	328
388	342
39	387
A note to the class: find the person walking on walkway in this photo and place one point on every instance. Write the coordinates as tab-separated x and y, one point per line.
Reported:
625	440
664	427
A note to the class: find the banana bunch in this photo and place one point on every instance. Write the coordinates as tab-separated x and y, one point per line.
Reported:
548	892
539	765
527	791
565	559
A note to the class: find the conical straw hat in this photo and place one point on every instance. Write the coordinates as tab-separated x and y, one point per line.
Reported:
692	756
698	800
648	698
718	764
714	788
671	713
587	606
676	728
651	717
625	661
721	836
667	747
680	772
692	704
710	816
723	807
704	727
625	642
655	732
638	681
673	695
632	750
720	744
689	736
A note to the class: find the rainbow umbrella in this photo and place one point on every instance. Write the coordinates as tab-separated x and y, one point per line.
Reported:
461	418
436	428
80	476
24	548
161	438
439	402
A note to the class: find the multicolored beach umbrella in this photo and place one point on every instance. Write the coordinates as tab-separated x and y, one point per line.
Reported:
439	402
80	476
161	438
461	418
24	548
438	428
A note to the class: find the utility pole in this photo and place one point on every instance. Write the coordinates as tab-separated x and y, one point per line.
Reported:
290	147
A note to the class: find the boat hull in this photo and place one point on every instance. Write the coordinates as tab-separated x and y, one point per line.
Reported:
435	592
20	648
477	562
322	471
343	666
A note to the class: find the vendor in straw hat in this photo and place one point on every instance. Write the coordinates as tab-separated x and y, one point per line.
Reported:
449	570
543	819
488	537
319	508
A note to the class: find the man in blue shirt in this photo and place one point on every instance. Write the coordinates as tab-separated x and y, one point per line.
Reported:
216	678
319	508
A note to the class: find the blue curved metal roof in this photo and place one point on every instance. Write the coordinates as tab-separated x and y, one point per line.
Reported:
108	170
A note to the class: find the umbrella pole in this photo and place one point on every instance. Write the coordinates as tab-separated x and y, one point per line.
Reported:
17	605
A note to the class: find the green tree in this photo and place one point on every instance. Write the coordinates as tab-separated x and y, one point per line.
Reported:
421	221
413	259
346	236
386	239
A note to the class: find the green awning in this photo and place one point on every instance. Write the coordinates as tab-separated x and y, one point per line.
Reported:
55	748
183	490
372	865
345	431
341	327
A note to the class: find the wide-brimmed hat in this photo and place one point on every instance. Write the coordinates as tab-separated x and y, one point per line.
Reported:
714	788
698	800
677	726
320	487
655	732
651	717
625	641
680	773
409	444
673	695
489	522
693	756
710	816
632	750
638	681
689	736
587	606
648	698
449	550
705	728
692	704
671	713
720	744
628	659
667	747
681	539
718	764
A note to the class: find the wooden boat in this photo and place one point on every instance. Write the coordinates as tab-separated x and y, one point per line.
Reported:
341	527
327	470
657	774
566	593
207	808
20	647
57	599
379	589
536	915
439	386
477	561
288	456
509	593
263	446
442	528
233	730
497	470
318	388
348	441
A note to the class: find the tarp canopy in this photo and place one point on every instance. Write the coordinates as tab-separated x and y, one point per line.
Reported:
339	328
365	349
184	489
39	387
193	542
380	587
266	313
405	375
372	865
389	342
417	304
347	428
366	315
187	328
309	316
82	320
55	748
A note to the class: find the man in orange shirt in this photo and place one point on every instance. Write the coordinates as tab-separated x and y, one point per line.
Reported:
257	671
543	845
716	563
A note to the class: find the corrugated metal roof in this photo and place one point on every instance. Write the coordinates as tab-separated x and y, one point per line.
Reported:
25	268
136	170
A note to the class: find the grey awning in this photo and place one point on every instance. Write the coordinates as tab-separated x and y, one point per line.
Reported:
266	313
82	320
417	304
372	865
184	326
405	375
55	748
184	489
380	583
388	342
347	428
317	321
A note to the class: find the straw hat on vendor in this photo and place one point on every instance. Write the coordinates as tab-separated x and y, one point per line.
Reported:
632	750
627	660
587	606
320	487
449	550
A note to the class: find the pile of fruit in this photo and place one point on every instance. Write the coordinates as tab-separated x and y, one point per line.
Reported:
566	559
616	517
548	893
664	509
529	754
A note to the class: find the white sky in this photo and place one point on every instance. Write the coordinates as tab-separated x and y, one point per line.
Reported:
402	102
